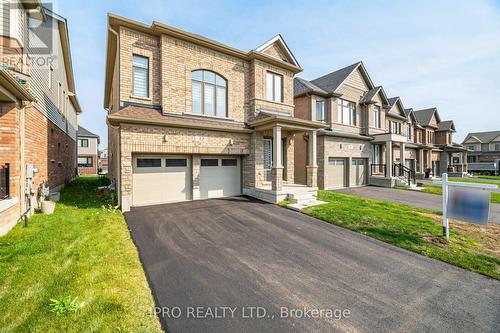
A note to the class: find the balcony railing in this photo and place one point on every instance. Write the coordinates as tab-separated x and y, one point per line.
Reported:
378	170
4	181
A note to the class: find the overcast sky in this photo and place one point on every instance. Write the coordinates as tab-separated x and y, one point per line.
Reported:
430	53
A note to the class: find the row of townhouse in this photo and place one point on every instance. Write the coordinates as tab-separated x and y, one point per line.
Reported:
369	138
190	118
38	107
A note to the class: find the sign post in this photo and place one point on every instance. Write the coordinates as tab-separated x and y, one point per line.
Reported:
446	227
464	201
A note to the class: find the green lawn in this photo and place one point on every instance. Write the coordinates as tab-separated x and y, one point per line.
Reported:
489	177
436	189
407	227
83	250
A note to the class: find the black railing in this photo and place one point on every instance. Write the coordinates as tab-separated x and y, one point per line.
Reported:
378	169
400	170
4	181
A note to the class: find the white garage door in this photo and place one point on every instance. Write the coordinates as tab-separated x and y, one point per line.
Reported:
219	176
160	179
358	172
336	174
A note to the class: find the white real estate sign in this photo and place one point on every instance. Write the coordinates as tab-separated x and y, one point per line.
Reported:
465	201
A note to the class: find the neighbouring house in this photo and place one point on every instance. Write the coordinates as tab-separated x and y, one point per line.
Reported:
103	161
368	137
88	148
38	108
483	151
191	118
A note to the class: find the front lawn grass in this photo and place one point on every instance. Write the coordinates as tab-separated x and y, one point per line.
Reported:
436	189
489	177
83	251
407	227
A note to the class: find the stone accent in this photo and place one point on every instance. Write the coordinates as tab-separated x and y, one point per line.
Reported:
277	178
312	176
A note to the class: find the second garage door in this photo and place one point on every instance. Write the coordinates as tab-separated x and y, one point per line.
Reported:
220	176
336	174
358	172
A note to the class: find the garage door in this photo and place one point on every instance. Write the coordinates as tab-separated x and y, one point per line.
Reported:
219	176
336	172
358	172
160	179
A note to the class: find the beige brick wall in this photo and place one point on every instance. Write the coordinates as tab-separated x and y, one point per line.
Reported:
134	42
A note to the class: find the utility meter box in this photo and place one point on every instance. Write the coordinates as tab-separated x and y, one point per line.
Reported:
30	171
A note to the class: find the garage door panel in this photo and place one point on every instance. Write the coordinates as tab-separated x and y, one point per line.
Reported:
336	173
169	182
358	172
221	179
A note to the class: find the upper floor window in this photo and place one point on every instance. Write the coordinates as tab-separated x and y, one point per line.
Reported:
376	116
395	127
320	110
140	76
209	93
410	130
495	146
430	137
274	87
83	142
471	148
346	112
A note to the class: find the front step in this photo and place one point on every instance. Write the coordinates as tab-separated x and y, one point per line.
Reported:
294	197
304	204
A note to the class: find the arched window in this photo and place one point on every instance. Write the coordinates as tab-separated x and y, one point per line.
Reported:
209	92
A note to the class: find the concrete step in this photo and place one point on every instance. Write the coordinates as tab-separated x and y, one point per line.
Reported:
304	204
294	197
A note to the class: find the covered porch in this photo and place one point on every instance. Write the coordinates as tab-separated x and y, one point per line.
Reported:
453	160
274	158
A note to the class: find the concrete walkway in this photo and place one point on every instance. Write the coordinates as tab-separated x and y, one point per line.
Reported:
412	198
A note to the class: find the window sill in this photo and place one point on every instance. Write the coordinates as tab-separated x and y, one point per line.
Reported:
201	115
8	203
141	98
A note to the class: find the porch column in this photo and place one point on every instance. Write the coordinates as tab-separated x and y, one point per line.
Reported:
421	161
402	153
312	163
464	161
277	169
388	158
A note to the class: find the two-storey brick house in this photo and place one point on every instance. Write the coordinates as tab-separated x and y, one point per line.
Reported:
366	133
190	118
38	108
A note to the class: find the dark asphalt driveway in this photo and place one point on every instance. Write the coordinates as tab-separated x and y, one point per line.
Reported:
240	252
411	198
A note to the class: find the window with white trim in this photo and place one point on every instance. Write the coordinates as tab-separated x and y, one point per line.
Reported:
140	76
268	154
84	162
346	112
320	111
376	116
83	143
209	93
274	87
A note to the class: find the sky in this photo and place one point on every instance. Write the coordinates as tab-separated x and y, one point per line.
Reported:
443	54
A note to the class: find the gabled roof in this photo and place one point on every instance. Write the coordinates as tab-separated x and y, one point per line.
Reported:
86	133
410	114
483	137
370	94
278	40
302	86
424	116
332	81
393	101
446	125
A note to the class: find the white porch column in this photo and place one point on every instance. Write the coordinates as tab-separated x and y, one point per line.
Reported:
312	160
421	161
312	163
402	153
388	158
277	169
277	162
